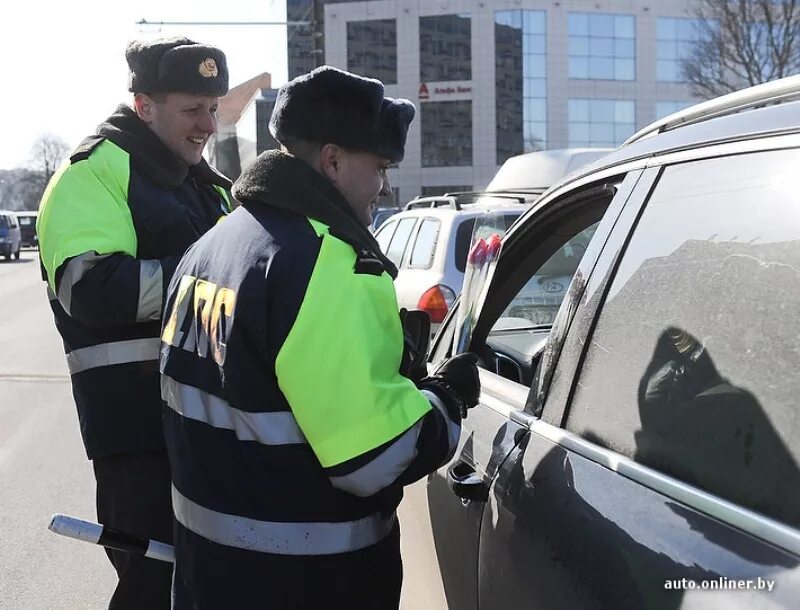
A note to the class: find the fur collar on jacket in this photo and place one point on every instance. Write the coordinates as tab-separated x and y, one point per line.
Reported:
280	180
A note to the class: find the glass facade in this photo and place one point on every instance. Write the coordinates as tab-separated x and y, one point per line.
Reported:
600	122
674	39
446	133
666	108
602	46
372	49
520	82
445	48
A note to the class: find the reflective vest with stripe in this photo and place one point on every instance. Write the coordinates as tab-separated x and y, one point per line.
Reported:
280	361
110	237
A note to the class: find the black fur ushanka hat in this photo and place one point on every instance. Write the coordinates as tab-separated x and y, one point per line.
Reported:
170	65
329	105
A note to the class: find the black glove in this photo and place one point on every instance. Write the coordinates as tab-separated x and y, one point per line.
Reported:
416	341
458	377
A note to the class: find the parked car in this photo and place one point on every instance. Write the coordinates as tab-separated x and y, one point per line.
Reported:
27	228
10	241
640	449
430	239
381	215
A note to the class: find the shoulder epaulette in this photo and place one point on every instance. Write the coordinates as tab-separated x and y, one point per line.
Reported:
85	148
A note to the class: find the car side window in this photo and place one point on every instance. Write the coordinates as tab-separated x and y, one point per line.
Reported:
537	303
425	244
518	313
397	245
692	365
384	235
4	222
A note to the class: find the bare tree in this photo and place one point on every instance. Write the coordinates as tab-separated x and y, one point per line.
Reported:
741	43
47	154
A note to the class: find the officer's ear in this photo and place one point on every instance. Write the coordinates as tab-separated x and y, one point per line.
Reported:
330	161
144	106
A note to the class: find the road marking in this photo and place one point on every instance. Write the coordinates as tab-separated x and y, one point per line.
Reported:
15	377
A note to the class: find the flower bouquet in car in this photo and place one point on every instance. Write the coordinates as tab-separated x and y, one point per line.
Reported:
479	268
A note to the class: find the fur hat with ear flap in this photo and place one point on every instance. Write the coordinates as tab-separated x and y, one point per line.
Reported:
331	106
169	65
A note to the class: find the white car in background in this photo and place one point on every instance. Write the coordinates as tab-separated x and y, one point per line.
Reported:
429	240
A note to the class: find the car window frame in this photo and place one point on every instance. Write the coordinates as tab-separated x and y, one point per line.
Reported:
552	384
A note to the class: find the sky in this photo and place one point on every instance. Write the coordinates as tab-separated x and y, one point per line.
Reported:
62	64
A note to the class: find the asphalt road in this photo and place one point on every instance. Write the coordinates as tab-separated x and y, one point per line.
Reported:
44	470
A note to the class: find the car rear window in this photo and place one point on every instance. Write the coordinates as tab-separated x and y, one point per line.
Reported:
425	244
692	366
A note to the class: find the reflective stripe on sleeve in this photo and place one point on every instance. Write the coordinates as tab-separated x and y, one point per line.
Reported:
270	428
280	538
119	352
384	469
150	291
74	270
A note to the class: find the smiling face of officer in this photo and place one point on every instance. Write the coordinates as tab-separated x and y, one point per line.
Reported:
359	176
183	122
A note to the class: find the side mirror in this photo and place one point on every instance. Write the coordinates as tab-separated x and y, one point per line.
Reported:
416	339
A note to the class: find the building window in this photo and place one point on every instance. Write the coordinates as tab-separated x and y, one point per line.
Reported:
666	108
600	122
372	49
520	82
445	48
446	134
674	39
602	46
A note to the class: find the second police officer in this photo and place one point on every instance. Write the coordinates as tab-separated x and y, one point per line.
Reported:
290	429
113	223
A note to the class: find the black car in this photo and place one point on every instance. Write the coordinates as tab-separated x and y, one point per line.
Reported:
642	450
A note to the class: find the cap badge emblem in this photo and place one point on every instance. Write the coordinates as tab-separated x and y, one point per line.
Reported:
208	68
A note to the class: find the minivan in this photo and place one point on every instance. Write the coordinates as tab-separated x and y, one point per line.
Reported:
10	239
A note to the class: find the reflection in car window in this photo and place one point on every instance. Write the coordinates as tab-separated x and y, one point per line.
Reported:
384	234
399	240
425	244
692	367
538	301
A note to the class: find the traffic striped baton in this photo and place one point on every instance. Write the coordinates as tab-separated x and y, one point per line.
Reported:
96	533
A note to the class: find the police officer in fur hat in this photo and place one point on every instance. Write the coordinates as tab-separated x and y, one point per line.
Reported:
113	224
290	426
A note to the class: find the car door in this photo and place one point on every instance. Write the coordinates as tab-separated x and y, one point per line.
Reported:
509	336
660	467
